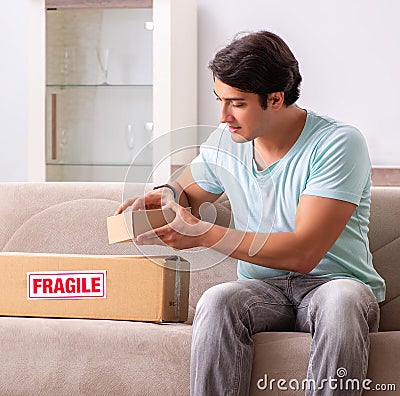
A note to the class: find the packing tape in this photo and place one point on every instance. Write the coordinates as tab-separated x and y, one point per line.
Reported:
177	292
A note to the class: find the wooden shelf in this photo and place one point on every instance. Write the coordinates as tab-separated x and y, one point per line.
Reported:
99	3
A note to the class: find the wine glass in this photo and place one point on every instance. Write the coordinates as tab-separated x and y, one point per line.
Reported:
68	63
130	140
63	145
149	126
103	55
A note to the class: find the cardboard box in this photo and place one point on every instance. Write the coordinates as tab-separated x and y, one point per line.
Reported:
154	289
128	225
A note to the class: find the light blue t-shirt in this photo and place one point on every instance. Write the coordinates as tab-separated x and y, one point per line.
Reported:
329	159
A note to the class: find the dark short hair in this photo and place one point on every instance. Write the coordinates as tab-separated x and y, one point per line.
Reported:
261	63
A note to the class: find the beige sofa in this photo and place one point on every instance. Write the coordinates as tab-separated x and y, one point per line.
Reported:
100	357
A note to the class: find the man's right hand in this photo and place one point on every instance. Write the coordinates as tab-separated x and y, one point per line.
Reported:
188	193
154	199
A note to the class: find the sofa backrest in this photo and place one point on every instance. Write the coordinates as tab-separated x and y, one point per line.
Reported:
384	236
70	218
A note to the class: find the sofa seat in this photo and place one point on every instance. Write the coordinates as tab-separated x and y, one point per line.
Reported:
285	356
93	357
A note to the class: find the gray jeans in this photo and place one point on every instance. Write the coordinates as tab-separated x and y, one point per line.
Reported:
338	313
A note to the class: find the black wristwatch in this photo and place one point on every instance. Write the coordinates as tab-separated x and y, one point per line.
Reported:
168	186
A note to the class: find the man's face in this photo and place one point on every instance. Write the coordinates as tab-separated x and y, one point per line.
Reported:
242	112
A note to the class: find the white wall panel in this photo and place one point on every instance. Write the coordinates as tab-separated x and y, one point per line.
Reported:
348	54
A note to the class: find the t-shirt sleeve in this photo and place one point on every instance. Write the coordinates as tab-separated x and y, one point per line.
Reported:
340	167
204	167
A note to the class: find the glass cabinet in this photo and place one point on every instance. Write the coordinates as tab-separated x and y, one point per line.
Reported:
100	90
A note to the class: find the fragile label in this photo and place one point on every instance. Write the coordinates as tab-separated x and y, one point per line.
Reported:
66	284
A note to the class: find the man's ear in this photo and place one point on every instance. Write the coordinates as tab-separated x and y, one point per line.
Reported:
276	99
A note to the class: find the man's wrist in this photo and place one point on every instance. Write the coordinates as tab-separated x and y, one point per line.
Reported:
167	186
210	236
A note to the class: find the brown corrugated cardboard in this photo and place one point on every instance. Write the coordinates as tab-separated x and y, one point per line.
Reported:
128	225
154	289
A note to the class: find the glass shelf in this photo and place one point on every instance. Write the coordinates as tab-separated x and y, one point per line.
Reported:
85	125
95	164
97	172
99	94
97	85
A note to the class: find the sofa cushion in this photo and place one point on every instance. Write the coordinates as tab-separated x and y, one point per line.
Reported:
385	211
93	357
285	356
387	263
384	239
76	226
21	201
279	355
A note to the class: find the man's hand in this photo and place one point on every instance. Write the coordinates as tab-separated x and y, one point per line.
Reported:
154	199
184	232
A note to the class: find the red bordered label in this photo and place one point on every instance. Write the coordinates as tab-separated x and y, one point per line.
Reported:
66	284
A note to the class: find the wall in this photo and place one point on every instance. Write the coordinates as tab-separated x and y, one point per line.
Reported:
22	97
348	55
13	82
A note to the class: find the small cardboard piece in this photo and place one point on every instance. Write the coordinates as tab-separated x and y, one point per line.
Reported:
127	226
153	289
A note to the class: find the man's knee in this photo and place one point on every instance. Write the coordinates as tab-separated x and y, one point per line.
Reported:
219	296
342	301
343	292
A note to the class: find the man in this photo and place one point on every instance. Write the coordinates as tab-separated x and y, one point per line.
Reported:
299	187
